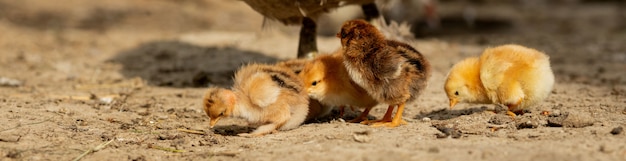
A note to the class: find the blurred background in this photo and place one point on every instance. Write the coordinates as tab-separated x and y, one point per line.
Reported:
76	73
145	36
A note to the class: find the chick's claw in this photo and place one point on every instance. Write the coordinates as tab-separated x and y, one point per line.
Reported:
359	120
362	118
397	120
510	113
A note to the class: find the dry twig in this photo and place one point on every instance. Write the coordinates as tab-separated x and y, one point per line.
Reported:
95	149
191	131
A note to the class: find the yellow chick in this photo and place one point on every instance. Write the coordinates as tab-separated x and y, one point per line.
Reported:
270	96
316	109
327	80
512	75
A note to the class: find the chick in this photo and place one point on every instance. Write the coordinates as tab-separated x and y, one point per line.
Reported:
271	96
512	75
391	72
326	79
296	65
316	109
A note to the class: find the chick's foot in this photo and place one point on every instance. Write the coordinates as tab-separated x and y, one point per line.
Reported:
386	118
512	114
389	124
362	118
397	119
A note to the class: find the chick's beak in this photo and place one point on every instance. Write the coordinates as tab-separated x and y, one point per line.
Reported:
213	121
453	102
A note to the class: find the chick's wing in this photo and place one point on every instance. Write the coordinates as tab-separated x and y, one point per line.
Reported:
492	73
261	89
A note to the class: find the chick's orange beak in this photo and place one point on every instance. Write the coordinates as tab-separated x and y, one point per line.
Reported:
453	102
213	121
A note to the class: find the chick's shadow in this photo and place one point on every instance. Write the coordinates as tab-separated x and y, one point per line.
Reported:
232	130
179	64
446	114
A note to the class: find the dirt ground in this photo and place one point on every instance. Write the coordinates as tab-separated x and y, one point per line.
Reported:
133	72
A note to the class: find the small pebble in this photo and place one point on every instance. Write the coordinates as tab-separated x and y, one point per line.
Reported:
9	82
617	130
106	100
433	150
362	137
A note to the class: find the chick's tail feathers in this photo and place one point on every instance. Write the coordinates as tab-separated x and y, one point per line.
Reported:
400	31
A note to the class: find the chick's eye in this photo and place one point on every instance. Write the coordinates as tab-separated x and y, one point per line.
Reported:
314	83
456	93
342	34
209	103
222	114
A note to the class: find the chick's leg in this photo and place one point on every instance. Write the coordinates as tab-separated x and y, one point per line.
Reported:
261	130
362	118
386	118
512	96
512	109
397	119
342	111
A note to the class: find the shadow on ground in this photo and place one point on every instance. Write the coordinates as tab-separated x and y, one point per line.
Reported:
232	130
180	64
446	114
348	115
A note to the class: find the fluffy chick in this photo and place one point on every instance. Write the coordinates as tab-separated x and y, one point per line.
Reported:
327	80
316	109
296	65
512	75
391	72
271	96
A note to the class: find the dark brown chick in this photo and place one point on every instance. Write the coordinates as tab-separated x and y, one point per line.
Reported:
391	72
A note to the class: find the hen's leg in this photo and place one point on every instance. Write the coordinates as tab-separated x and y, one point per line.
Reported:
370	11
307	47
